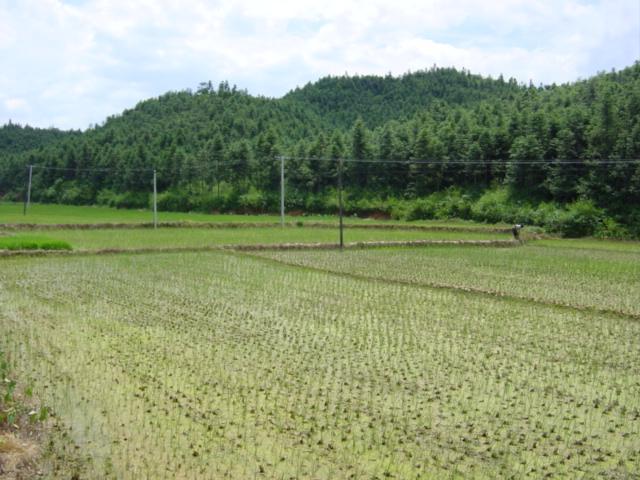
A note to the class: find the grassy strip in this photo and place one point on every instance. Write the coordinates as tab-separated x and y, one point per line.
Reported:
44	214
264	247
195	238
23	242
241	224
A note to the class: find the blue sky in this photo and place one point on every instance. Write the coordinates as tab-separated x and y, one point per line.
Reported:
72	63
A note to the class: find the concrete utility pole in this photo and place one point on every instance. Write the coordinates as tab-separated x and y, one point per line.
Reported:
27	200
155	200
282	191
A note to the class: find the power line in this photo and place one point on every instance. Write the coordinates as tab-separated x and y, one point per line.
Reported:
137	170
487	162
590	162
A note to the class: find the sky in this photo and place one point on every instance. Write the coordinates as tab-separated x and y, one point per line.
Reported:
72	63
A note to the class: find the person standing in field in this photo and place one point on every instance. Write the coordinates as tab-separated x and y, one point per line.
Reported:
515	230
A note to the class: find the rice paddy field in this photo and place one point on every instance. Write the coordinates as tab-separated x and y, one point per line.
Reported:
198	238
48	214
428	362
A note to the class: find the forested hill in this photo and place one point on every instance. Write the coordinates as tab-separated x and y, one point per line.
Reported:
475	133
15	138
339	101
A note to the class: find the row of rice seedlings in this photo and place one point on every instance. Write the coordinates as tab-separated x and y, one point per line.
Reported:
32	242
231	367
597	279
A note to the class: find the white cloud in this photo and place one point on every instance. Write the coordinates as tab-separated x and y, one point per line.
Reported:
75	64
14	104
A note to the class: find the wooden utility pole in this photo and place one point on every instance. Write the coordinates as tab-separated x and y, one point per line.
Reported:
281	191
155	200
27	199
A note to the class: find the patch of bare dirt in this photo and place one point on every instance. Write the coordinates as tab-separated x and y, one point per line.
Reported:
379	216
19	454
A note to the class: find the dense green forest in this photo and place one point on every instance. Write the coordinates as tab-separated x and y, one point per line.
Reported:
429	144
15	138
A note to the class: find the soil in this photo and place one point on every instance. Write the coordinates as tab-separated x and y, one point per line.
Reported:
20	450
379	216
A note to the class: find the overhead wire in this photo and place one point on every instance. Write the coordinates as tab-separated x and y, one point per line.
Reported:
484	162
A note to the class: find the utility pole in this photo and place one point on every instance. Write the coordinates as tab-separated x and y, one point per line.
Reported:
27	199
155	200
340	203
281	191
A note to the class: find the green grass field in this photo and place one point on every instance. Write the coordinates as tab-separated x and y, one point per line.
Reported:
69	214
32	242
53	214
357	364
188	237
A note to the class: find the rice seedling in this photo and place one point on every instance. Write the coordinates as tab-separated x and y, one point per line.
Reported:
43	214
189	237
221	365
32	242
605	278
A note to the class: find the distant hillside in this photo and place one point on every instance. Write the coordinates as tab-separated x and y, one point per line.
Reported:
474	132
16	138
339	101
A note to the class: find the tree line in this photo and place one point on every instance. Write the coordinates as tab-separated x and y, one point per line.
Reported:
414	135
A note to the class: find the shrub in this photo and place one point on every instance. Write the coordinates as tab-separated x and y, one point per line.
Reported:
545	213
253	201
106	197
123	200
133	200
450	203
609	228
365	207
293	200
74	193
582	218
174	201
421	209
399	209
492	206
218	198
315	203
331	201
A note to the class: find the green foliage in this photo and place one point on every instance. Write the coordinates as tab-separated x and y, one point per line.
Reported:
581	218
493	206
451	203
472	132
609	228
339	101
8	411
32	242
12	406
175	201
16	138
254	201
